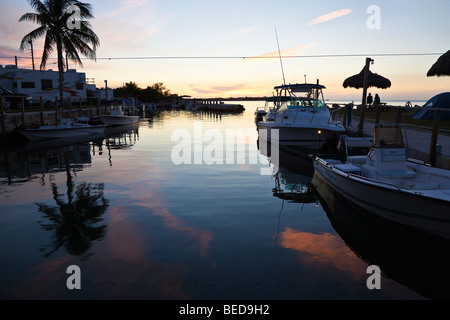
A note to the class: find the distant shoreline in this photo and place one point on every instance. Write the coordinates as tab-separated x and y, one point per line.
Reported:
329	101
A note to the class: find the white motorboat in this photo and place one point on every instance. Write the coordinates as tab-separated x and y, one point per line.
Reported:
300	118
118	118
67	128
388	184
262	112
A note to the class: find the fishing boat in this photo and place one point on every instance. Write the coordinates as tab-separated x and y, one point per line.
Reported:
300	118
388	184
117	117
67	128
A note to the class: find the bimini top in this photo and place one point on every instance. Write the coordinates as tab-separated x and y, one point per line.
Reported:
300	87
276	99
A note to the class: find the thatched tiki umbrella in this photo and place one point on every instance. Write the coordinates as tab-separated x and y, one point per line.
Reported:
366	79
441	67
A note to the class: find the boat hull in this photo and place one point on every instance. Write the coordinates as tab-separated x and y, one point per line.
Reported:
407	208
312	139
119	120
57	133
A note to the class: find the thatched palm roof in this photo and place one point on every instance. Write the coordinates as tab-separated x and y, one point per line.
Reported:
441	67
375	80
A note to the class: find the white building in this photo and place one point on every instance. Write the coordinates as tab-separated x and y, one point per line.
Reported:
45	84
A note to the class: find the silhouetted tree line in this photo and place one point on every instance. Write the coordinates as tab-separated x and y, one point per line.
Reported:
155	93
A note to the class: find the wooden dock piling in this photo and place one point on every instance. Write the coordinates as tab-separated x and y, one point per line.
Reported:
434	136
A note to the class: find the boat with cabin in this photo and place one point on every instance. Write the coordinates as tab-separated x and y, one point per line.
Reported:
301	118
388	184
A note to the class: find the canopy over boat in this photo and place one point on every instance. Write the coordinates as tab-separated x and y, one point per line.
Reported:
300	87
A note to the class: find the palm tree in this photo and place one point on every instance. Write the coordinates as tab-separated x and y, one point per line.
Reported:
52	15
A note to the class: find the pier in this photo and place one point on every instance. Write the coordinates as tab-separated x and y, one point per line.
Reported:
217	105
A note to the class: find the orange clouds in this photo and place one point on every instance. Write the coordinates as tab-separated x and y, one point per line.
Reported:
330	16
323	249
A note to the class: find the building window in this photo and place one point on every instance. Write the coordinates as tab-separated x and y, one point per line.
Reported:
79	86
47	84
28	85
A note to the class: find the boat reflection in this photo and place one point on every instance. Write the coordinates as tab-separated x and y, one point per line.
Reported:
293	174
36	158
119	138
123	136
415	259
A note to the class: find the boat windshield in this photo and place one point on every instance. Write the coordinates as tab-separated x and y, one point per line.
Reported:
305	98
388	137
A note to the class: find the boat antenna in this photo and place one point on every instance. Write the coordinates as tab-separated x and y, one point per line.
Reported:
279	53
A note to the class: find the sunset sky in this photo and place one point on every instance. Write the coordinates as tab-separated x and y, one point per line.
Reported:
196	47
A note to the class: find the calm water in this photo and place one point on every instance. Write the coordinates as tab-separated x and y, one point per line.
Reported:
141	226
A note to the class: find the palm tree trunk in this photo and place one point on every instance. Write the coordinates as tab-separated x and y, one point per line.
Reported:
60	69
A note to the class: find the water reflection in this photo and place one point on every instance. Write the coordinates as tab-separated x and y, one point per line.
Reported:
169	232
74	222
26	163
410	257
293	175
32	158
119	138
74	216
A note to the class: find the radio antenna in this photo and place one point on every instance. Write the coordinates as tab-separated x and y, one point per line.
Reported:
279	53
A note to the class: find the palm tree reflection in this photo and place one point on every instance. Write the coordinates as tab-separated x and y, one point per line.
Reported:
75	223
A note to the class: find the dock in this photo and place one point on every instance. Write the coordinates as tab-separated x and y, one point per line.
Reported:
418	140
217	105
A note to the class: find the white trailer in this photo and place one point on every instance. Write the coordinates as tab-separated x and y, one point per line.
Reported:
45	84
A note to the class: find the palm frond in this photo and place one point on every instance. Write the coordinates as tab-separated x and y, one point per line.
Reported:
36	33
85	9
32	17
49	47
38	6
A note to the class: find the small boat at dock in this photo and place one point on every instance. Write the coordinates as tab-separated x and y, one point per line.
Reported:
67	128
388	184
117	117
262	112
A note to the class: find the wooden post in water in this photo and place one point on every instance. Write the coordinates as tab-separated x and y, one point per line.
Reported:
2	111
42	110
344	121
434	136
23	111
377	118
399	116
69	100
90	107
364	97
56	109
